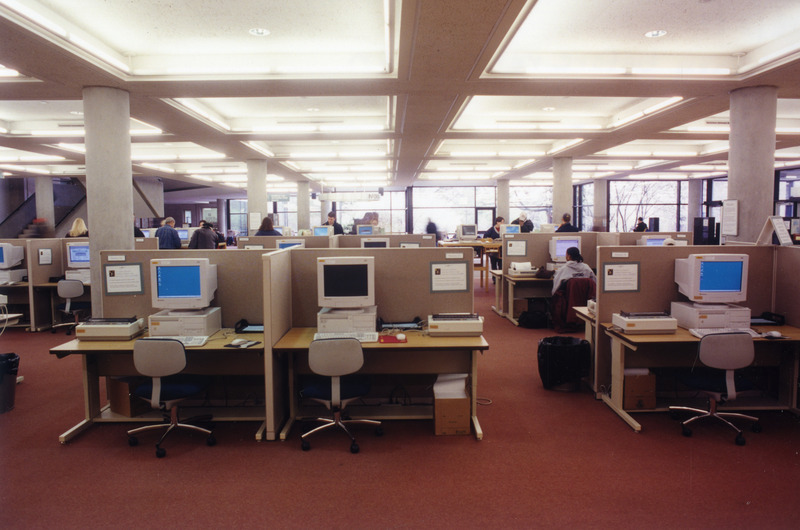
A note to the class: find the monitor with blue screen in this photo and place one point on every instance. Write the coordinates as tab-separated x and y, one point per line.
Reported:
78	255
183	233
560	244
324	230
364	230
509	229
182	283
288	243
10	255
713	278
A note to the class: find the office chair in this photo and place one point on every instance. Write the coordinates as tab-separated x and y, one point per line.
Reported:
723	353
573	292
69	289
335	358
162	360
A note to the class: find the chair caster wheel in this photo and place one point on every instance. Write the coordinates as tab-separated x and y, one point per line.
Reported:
740	440
211	441
756	427
161	453
686	431
133	441
305	446
378	431
354	448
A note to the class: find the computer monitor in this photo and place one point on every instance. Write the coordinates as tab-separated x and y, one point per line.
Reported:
467	232
547	227
509	229
324	230
560	244
183	233
182	283
713	278
11	255
375	242
78	254
346	281
364	230
284	230
651	241
287	243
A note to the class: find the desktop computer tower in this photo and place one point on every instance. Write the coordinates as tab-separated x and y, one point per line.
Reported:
652	224
704	231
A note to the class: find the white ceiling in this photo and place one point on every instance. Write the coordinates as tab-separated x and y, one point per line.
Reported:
361	94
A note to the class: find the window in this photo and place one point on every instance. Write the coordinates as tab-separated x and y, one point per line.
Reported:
630	199
584	206
535	201
449	207
237	213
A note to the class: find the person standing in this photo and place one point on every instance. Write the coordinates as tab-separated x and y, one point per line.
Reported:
204	238
337	228
525	224
566	225
431	229
640	226
167	235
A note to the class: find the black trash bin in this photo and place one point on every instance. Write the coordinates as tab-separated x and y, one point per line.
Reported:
9	366
563	360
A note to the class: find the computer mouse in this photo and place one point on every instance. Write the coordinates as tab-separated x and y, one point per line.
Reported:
773	334
238	342
401	336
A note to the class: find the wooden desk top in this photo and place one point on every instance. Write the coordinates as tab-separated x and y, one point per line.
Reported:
583	313
791	333
482	243
300	338
216	342
526	278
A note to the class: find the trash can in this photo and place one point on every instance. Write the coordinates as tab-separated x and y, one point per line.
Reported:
563	360
9	366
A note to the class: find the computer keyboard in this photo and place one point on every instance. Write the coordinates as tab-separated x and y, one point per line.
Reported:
187	340
702	332
361	336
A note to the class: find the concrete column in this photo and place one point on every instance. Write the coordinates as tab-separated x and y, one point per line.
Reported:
222	216
562	188
109	180
751	160
503	196
256	192
324	208
303	205
600	215
45	205
694	202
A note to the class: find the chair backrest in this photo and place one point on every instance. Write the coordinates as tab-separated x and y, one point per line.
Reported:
335	357
69	288
727	351
158	357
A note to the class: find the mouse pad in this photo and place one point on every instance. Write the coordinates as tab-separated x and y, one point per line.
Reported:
390	339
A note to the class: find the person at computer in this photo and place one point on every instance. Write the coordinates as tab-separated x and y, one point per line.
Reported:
525	224
167	235
204	238
573	268
640	226
337	228
566	224
267	228
78	229
495	261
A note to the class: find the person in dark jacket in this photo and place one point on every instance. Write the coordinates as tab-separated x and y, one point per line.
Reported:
337	228
167	235
640	226
267	228
566	225
204	237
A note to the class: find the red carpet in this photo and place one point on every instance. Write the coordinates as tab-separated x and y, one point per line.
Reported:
548	460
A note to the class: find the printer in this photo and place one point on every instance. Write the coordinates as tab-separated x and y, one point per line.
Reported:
521	268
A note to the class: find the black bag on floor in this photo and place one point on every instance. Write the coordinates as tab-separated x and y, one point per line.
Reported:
563	360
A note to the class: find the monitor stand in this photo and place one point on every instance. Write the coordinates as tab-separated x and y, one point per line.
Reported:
171	323
362	319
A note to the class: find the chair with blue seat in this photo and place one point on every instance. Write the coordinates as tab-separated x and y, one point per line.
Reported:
68	290
162	359
336	359
723	354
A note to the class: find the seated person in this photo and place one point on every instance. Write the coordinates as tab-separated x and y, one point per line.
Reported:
566	225
337	228
640	226
267	228
573	268
525	224
494	233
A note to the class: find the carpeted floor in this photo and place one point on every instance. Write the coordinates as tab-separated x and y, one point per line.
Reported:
547	460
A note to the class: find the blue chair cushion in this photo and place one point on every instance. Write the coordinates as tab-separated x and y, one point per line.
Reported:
319	387
174	387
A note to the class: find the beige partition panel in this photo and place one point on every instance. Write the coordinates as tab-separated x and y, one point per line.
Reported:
41	289
271	242
402	282
631	238
538	247
787	285
657	287
145	243
239	283
395	240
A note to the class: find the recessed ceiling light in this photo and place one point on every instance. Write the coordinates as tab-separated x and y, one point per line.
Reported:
548	109
259	32
312	109
655	33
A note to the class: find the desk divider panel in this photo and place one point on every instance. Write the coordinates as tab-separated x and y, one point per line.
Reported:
145	243
787	286
657	287
271	242
538	247
608	239
239	283
402	282
39	275
424	240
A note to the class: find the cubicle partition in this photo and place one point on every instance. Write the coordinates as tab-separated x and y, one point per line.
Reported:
787	286
47	262
608	239
271	242
395	240
145	243
537	247
240	282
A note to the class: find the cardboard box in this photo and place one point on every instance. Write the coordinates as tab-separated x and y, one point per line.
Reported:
639	392
451	405
120	399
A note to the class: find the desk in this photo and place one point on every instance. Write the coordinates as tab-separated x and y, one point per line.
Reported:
589	329
680	349
483	247
518	286
115	358
422	354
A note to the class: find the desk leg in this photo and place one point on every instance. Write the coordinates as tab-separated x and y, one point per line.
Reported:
91	399
617	382
474	392
510	302
498	295
292	400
